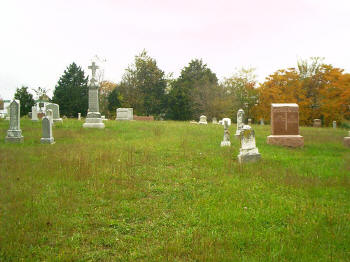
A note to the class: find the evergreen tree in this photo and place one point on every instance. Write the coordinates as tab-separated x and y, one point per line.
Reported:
71	91
114	100
26	99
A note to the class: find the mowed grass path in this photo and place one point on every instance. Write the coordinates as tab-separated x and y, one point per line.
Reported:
166	191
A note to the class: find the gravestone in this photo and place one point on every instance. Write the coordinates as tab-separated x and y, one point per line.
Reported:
248	151
124	114
262	122
285	126
14	133
347	140
240	123
214	121
93	118
49	115
55	112
317	123
193	122
203	120
47	137
79	116
334	124
34	114
226	141
249	121
228	121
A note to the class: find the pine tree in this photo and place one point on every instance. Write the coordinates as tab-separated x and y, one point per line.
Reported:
71	92
26	99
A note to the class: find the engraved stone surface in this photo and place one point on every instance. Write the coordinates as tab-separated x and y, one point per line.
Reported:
55	112
14	133
317	123
203	120
240	121
34	114
248	151
226	141
285	126
47	137
334	124
124	114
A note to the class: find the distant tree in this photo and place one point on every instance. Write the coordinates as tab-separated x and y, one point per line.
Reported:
26	100
114	100
143	86
106	88
71	91
193	92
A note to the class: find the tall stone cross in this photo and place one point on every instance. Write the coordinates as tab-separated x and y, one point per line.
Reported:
93	68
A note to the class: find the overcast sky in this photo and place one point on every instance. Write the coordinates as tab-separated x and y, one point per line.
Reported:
39	39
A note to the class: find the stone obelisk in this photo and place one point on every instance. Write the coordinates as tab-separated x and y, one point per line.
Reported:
93	118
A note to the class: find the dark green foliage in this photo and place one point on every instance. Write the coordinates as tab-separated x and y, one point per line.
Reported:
114	100
26	99
192	93
71	92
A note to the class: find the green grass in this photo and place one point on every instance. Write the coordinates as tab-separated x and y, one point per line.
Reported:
166	191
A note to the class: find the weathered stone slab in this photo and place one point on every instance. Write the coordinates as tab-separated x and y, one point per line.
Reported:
262	122
214	121
79	116
285	126
248	151
317	123
203	120
228	121
55	112
124	114
34	114
47	137
240	122
334	124
49	115
14	133
249	121
226	140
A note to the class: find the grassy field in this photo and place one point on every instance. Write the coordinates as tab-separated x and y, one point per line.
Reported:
166	191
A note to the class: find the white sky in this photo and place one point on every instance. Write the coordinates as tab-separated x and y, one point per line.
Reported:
40	38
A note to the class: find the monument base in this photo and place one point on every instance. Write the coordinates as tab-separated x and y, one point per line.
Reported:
347	141
202	123
47	140
248	155
93	120
58	120
287	140
225	143
14	140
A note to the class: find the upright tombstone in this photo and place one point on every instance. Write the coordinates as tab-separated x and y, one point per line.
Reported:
214	121
124	114
47	131
240	123
249	121
334	124
55	112
203	120
317	123
347	140
262	122
14	133
248	151
226	141
228	121
285	126
93	118
49	115
34	114
79	116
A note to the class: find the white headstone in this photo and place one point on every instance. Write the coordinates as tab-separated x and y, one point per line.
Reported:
203	120
79	116
34	114
55	112
49	115
240	121
226	141
262	121
334	124
124	114
93	118
249	121
214	121
248	151
228	120
14	133
47	131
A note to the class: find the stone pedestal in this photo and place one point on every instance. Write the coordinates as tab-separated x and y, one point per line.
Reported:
93	120
285	126
248	151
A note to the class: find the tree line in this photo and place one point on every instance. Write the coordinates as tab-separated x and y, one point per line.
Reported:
321	90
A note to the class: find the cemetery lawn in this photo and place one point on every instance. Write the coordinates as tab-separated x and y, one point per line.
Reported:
166	191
